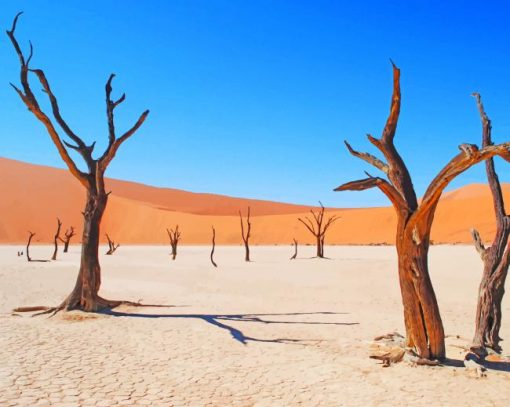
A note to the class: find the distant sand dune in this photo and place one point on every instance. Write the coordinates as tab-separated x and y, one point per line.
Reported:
33	196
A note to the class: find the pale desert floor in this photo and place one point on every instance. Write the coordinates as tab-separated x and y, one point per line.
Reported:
272	332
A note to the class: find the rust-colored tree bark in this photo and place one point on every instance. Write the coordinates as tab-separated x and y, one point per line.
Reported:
318	227
424	328
295	249
213	247
85	295
246	234
56	239
174	236
111	246
496	258
69	233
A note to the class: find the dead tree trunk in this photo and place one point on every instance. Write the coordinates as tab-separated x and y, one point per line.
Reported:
496	259
69	233
213	246
111	246
246	236
85	295
30	236
174	236
318	227
56	239
423	323
295	249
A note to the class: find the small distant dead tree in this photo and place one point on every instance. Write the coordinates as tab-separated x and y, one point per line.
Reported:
246	236
85	294
30	236
424	327
56	239
213	246
69	233
174	236
318	227
111	245
295	249
496	258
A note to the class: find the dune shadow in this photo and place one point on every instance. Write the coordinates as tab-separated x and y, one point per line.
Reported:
219	321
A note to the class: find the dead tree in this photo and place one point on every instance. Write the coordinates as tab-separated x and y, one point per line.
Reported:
30	236
246	236
318	227
424	328
213	247
111	246
295	249
496	258
174	236
85	295
56	239
69	233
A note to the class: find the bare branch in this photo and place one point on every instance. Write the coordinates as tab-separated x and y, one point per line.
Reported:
369	158
469	156
309	226
30	101
480	248
492	176
391	122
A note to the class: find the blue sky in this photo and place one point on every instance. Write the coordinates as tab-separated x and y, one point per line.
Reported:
255	98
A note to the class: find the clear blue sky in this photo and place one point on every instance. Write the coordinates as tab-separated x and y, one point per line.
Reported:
255	98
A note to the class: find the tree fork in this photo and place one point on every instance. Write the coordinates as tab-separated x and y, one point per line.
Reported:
424	327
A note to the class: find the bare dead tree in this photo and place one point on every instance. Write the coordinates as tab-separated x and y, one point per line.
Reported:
246	236
213	247
111	246
318	227
496	258
30	236
174	236
295	249
424	328
85	295
56	239
69	233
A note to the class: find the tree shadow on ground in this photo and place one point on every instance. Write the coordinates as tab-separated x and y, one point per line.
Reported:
218	320
502	366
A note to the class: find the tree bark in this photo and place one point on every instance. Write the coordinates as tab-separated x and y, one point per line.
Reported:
85	293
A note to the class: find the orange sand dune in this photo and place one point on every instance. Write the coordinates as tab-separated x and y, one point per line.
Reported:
33	196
